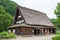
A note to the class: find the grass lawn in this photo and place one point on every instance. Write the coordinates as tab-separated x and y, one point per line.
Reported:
57	37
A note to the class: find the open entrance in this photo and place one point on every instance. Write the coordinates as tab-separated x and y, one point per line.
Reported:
36	31
52	30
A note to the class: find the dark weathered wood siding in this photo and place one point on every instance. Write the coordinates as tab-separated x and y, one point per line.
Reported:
23	31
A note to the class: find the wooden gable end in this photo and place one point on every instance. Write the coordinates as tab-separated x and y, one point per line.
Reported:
18	17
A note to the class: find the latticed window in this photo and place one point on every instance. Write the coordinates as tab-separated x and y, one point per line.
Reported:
20	21
19	16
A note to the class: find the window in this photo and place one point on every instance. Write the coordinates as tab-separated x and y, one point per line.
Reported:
20	21
14	30
32	30
9	30
19	16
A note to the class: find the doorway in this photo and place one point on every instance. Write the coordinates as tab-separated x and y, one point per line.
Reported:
36	31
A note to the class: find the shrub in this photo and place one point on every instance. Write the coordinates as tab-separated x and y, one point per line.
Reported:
56	38
7	35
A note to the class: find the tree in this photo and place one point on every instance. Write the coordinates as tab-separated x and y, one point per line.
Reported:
5	19
54	21
57	12
7	11
10	6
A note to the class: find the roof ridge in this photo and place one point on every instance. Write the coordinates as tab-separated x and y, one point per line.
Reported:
31	9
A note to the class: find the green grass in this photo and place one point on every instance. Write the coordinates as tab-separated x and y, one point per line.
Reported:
57	33
57	37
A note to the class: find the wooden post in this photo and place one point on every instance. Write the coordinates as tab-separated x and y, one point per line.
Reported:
42	31
48	31
51	31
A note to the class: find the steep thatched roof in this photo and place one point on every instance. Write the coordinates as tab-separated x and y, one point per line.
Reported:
33	17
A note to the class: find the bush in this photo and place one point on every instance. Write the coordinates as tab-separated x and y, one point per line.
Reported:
7	35
56	38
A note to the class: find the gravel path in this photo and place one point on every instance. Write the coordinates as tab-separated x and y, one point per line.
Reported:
35	38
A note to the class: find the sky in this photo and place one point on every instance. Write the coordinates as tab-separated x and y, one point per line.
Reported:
45	6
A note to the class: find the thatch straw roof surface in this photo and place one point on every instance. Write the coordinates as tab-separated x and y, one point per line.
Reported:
33	17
